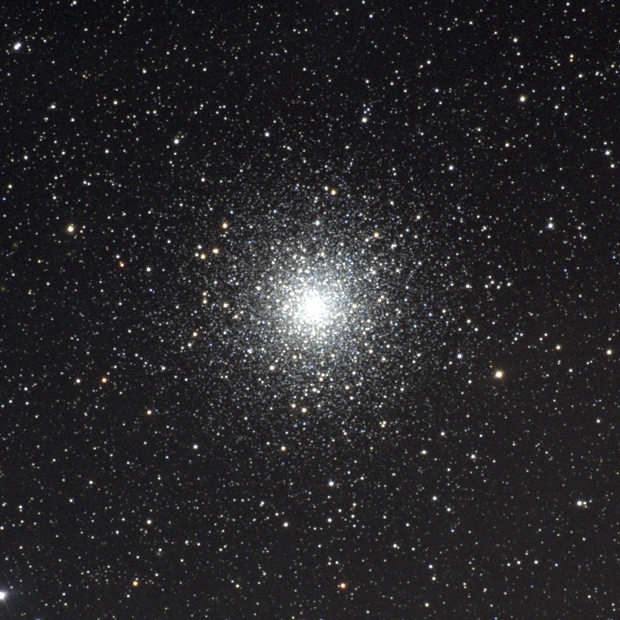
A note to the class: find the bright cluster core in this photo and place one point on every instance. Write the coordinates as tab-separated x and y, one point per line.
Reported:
313	309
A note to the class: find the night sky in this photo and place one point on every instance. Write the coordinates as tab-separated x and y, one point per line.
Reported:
310	310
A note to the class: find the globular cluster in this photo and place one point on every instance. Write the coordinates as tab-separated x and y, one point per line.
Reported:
316	310
309	311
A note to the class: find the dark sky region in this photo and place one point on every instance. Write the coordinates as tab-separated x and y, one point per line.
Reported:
310	310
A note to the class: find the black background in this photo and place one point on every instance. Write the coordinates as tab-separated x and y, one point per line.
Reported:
142	478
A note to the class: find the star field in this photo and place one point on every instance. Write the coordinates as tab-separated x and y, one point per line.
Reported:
310	311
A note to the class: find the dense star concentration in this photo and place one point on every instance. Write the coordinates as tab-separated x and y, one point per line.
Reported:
310	316
310	311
